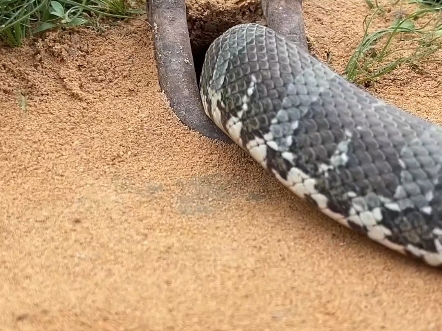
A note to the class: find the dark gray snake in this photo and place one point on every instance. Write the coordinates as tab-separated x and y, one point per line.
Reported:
367	164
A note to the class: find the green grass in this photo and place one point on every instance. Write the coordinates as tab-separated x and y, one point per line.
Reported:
410	39
22	101
20	19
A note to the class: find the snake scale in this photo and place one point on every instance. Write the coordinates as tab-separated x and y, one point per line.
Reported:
363	162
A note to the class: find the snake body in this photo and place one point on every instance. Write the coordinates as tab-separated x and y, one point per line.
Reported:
365	163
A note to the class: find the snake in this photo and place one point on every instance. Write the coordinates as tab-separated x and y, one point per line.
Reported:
365	163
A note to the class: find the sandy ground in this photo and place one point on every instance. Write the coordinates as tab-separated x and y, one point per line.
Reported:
114	216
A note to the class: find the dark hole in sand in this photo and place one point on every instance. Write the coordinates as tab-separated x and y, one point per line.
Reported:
199	55
206	25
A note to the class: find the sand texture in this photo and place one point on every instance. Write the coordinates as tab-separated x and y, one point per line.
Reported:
114	216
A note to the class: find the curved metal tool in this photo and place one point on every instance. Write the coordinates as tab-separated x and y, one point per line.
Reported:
173	54
176	68
285	17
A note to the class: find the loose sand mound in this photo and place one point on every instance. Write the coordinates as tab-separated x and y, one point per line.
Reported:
114	216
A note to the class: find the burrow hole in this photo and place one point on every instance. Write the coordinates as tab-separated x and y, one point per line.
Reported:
207	21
